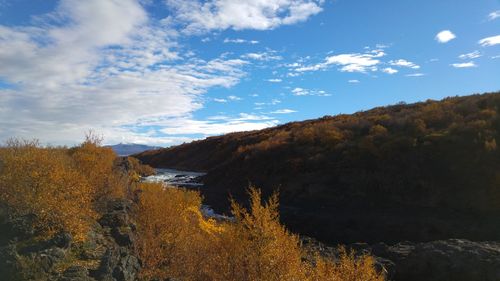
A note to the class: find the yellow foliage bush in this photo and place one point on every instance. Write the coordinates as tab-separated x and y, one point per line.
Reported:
45	182
173	235
96	164
176	241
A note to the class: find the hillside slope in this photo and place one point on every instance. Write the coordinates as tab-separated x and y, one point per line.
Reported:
422	171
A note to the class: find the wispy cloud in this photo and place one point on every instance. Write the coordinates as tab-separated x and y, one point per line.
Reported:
262	56
494	15
234	98
307	92
464	64
240	41
471	55
404	63
490	41
415	75
283	111
353	81
218	126
445	36
220	100
274	80
352	62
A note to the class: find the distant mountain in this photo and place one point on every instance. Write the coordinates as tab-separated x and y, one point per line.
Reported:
422	171
125	149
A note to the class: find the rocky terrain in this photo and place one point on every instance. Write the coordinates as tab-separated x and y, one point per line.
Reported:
442	260
107	255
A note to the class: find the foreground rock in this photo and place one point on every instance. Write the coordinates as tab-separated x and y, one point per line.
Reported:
107	255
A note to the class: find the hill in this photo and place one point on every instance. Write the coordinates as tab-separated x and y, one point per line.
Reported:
125	149
422	171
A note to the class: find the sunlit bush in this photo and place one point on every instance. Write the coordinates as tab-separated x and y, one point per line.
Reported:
174	238
45	182
96	164
176	241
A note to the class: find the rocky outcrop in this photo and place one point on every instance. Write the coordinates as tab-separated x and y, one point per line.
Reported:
107	255
119	262
443	260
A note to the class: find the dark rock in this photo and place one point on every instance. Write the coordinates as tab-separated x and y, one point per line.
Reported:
8	260
76	273
123	235
62	240
22	227
114	219
120	205
127	268
444	260
47	258
118	264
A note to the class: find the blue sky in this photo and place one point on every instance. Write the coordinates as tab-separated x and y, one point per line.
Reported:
170	71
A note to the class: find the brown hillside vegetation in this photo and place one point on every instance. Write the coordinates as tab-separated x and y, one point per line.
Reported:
422	171
65	190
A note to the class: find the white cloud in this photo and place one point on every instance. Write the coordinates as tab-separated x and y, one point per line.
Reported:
201	16
490	41
283	111
103	65
445	36
464	64
263	56
244	122
354	62
240	41
353	81
389	70
404	63
220	100
274	80
471	55
306	92
494	15
415	75
234	98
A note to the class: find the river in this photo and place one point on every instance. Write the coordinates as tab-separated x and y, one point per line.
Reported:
184	179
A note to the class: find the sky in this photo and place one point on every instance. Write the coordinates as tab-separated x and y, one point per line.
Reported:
166	72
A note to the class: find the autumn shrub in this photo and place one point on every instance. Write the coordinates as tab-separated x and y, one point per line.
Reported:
176	241
96	164
174	237
136	169
46	183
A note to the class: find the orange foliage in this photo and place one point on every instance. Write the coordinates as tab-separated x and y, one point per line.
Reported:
96	163
176	241
173	235
46	183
